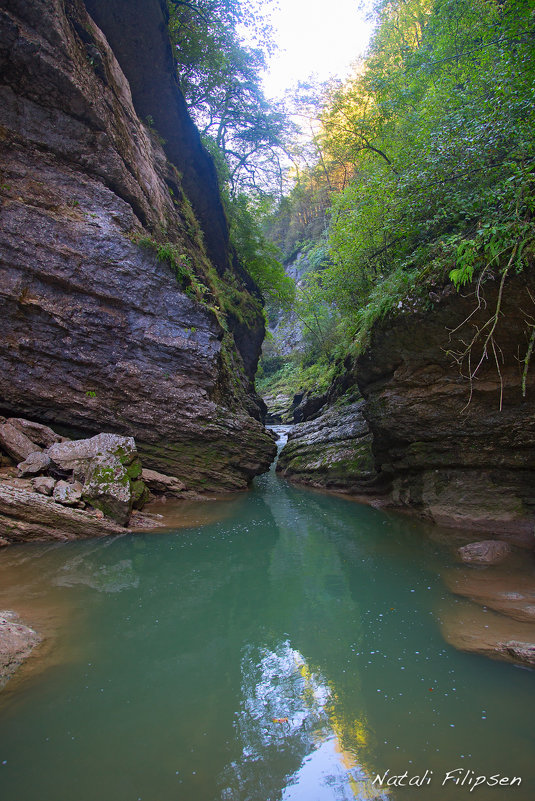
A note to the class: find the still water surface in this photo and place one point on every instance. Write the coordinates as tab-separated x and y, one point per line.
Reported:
177	655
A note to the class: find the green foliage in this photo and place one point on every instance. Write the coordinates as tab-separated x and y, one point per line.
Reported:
257	254
436	131
293	377
220	78
170	254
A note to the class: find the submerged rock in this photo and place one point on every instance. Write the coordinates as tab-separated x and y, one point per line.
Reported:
470	628
485	552
510	592
16	644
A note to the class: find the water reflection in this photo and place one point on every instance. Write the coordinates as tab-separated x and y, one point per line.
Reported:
288	717
288	652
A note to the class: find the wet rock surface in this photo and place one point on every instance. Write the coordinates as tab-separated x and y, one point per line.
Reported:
17	641
96	333
333	451
485	552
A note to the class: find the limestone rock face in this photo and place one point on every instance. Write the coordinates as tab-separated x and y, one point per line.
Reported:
453	455
96	331
333	451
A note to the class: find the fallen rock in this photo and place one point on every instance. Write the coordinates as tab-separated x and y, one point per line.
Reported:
44	485
15	443
77	455
36	462
160	483
36	432
67	494
109	468
26	515
16	644
107	487
485	552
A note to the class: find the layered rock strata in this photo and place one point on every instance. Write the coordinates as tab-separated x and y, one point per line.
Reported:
460	453
111	303
333	451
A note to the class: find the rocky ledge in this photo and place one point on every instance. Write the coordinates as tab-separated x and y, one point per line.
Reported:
333	451
68	489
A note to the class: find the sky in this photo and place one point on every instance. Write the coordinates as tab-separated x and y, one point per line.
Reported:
315	36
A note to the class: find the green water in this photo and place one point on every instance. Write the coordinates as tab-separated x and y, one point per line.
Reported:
176	650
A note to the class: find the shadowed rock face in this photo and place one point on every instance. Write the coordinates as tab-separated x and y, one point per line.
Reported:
95	332
466	465
469	465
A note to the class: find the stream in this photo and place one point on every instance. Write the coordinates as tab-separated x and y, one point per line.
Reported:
285	648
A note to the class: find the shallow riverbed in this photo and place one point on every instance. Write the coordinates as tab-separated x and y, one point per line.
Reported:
288	648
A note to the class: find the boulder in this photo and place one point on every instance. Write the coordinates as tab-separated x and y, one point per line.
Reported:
77	455
485	552
160	483
37	462
15	443
109	468
36	432
44	485
107	487
67	494
16	644
26	515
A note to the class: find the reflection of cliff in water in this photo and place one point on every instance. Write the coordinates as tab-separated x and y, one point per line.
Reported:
295	723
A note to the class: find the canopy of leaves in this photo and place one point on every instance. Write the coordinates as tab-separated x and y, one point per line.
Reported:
219	75
437	131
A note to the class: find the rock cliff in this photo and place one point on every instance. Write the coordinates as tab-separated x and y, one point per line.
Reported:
122	306
460	454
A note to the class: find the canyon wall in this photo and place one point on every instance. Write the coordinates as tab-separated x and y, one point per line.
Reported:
122	306
460	453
